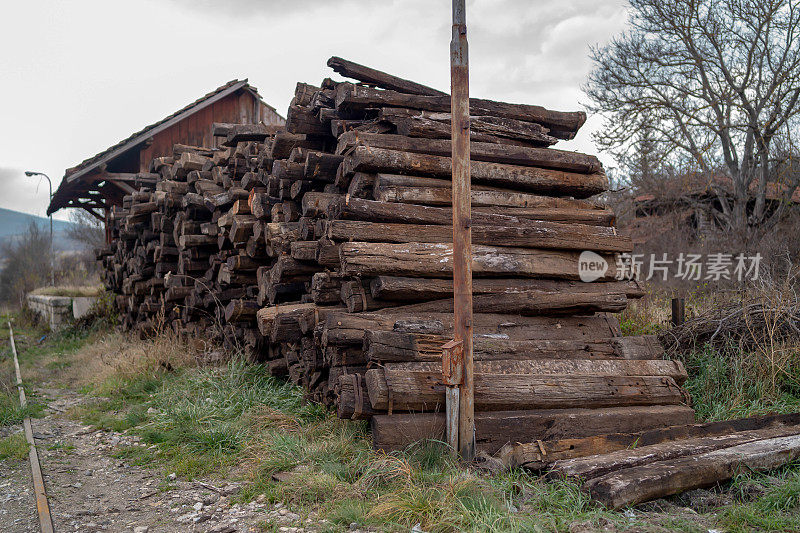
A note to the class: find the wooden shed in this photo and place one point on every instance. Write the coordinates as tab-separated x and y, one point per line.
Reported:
99	182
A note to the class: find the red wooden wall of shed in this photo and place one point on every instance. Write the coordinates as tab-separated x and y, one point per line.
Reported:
195	129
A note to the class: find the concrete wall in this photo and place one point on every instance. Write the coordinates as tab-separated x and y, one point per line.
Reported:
58	311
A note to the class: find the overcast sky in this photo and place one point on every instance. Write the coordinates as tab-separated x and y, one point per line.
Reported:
78	76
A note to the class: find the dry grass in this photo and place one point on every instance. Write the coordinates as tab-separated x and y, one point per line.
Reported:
652	313
120	357
759	332
113	356
235	421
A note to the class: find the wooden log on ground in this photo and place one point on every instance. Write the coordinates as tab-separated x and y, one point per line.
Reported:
664	478
536	456
594	466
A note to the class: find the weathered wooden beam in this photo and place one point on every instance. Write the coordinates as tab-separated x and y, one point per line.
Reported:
424	289
524	178
383	346
436	260
594	466
664	478
563	125
372	211
530	233
495	429
460	392
536	456
424	391
378	78
479	151
432	125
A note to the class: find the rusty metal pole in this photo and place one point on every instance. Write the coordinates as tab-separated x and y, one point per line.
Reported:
462	232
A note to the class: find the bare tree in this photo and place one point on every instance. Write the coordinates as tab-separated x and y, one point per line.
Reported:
26	264
86	229
717	84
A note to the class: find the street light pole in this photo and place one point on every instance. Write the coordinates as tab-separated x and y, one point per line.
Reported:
52	250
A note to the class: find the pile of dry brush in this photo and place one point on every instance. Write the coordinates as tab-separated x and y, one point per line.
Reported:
765	316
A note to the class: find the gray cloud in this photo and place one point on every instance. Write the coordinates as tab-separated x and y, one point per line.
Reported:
520	51
538	49
21	193
266	8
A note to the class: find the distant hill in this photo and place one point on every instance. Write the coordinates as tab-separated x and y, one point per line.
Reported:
14	224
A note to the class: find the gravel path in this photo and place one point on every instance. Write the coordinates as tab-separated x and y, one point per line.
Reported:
91	490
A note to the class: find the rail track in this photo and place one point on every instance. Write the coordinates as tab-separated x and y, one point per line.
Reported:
42	505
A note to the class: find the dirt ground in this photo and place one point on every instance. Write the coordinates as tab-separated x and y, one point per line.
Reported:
91	490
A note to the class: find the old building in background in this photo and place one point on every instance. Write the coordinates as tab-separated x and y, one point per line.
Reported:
100	182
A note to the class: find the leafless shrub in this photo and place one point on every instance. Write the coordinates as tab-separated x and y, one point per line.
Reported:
761	330
85	229
27	264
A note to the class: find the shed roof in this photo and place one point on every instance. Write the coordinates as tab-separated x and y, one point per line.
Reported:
68	188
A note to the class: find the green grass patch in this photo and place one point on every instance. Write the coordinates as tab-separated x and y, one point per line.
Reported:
12	414
726	385
767	502
34	344
136	455
201	419
632	326
14	447
239	421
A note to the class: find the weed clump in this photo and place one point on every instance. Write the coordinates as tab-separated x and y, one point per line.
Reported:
14	447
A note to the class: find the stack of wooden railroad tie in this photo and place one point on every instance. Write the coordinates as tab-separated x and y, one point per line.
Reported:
322	250
336	231
183	251
550	360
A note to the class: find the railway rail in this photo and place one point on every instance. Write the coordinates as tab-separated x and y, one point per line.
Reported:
42	505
